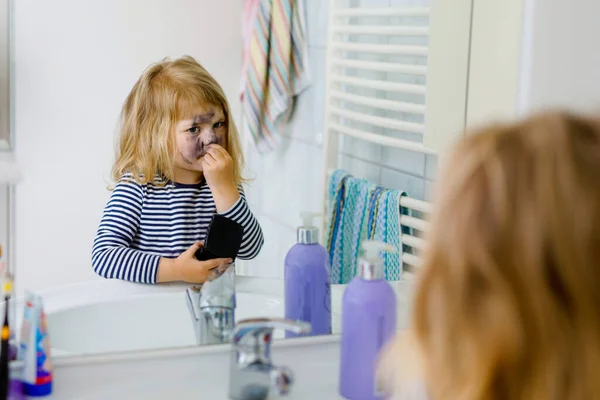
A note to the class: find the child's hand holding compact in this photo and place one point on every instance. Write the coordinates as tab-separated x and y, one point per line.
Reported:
187	268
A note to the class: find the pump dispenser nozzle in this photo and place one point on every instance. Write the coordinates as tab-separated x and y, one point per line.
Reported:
308	233
370	266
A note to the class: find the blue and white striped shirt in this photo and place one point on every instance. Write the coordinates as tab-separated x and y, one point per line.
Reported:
142	223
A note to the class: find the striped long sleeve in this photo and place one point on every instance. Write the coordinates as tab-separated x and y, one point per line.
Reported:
142	223
112	254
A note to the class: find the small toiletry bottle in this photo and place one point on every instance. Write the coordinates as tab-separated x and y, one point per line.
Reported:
368	322
34	349
307	280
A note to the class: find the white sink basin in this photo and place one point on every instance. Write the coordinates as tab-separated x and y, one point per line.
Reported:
111	316
152	321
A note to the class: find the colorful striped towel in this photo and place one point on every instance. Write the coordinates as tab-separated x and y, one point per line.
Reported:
248	20
276	71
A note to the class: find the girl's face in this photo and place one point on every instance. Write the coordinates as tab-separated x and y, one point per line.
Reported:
193	136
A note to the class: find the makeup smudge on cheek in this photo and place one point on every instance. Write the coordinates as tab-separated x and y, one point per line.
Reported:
188	149
185	159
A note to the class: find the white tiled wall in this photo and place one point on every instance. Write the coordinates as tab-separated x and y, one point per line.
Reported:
290	179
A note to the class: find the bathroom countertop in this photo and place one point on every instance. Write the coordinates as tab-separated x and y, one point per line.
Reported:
190	372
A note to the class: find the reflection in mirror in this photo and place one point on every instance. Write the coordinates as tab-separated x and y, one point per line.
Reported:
217	209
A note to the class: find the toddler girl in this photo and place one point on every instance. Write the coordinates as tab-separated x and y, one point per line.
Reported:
178	162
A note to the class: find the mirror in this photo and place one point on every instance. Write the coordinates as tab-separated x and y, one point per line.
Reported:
75	67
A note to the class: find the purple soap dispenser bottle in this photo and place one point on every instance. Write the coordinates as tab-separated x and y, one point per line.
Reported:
307	280
368	322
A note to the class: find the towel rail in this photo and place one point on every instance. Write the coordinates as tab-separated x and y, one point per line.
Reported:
382	122
411	259
417	205
413	241
406	202
381	139
383	12
407	99
412	222
381	48
381	30
378	103
381	66
408	88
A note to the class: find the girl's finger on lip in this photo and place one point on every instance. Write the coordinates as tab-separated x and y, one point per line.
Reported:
218	149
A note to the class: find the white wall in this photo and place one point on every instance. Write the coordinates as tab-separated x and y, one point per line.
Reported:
562	61
74	63
495	60
529	55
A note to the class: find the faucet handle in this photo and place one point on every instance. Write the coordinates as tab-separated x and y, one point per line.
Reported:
253	375
264	327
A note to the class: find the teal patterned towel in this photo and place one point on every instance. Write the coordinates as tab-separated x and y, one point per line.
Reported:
358	210
335	195
391	228
384	225
346	212
355	208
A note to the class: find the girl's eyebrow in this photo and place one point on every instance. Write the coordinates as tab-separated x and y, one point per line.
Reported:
204	118
207	118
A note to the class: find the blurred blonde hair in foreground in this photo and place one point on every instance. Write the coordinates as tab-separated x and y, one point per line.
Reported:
507	305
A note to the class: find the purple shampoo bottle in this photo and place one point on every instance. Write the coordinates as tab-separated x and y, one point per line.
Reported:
307	280
368	322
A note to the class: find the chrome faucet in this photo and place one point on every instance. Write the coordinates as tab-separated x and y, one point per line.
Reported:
252	374
212	308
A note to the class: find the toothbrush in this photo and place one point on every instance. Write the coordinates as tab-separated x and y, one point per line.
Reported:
4	347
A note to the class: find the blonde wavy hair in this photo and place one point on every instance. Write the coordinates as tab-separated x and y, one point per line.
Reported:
508	302
167	92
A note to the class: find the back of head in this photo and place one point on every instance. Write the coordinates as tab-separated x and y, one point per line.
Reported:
166	92
507	306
